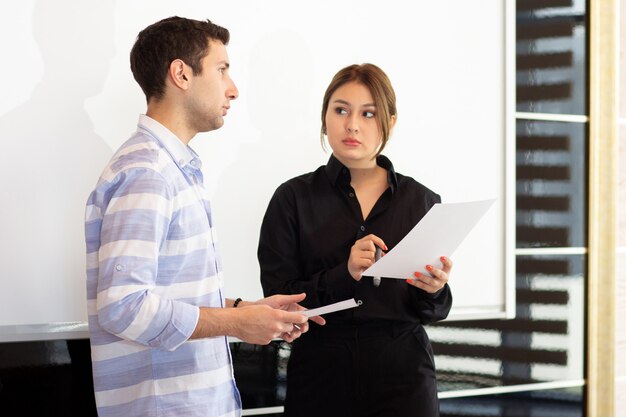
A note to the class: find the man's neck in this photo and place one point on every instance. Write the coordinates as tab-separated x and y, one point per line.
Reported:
172	118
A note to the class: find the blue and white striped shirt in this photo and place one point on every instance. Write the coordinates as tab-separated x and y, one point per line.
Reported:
152	261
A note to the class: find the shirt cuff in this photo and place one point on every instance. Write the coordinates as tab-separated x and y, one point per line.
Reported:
434	295
340	283
180	328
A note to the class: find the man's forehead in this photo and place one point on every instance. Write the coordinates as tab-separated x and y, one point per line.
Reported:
217	51
216	47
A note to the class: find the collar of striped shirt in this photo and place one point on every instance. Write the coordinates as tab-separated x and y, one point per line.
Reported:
183	155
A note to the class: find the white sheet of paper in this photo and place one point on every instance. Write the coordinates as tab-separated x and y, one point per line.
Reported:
331	308
439	233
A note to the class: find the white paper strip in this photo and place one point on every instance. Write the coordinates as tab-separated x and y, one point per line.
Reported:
331	308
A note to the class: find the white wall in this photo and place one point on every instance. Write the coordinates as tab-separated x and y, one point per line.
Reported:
69	100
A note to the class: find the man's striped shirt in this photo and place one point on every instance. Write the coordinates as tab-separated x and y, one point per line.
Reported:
152	261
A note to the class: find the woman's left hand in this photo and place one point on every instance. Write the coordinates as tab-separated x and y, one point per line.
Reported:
437	278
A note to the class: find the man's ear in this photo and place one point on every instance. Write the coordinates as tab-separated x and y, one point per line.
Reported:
178	74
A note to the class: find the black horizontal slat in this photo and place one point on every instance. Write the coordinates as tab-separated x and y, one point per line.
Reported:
524	296
545	61
553	236
527	265
528	5
543	143
503	353
544	203
455	414
544	92
451	379
545	28
514	325
542	172
476	378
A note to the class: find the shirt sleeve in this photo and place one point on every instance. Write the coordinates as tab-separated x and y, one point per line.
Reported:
432	307
137	210
280	263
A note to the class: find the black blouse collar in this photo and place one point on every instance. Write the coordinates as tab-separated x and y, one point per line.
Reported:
335	170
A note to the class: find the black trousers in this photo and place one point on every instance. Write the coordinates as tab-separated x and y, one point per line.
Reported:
382	370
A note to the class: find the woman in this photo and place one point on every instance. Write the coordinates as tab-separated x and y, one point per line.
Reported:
320	232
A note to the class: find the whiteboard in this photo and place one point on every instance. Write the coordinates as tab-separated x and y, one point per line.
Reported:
69	100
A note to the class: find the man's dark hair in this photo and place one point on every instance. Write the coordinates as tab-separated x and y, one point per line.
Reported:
166	40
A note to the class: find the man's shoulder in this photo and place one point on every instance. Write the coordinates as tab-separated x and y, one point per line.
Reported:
140	158
139	150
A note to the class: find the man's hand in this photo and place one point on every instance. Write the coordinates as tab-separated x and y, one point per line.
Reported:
260	324
290	303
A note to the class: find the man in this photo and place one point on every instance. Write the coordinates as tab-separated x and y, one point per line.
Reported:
157	315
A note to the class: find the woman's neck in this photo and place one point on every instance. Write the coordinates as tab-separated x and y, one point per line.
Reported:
365	175
364	172
369	182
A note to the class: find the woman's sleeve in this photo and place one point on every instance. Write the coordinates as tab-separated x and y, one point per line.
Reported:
432	307
281	260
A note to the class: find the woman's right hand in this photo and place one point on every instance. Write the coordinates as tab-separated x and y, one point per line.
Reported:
362	255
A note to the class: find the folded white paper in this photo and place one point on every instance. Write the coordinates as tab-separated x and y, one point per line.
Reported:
331	308
439	233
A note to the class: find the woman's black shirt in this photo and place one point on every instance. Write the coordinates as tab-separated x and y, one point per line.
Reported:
310	225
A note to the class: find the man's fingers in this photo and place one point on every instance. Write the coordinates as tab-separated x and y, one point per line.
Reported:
291	299
288	317
294	331
318	319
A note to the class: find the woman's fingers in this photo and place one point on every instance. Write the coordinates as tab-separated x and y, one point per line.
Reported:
447	264
362	255
369	243
437	278
429	283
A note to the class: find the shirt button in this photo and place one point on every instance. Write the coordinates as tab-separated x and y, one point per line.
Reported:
362	228
351	195
118	267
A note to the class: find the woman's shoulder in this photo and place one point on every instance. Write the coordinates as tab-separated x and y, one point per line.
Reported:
409	185
302	181
296	189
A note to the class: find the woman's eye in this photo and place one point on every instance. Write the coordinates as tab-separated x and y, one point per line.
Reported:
340	110
368	114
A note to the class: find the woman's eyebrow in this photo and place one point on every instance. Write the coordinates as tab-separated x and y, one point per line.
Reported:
340	101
